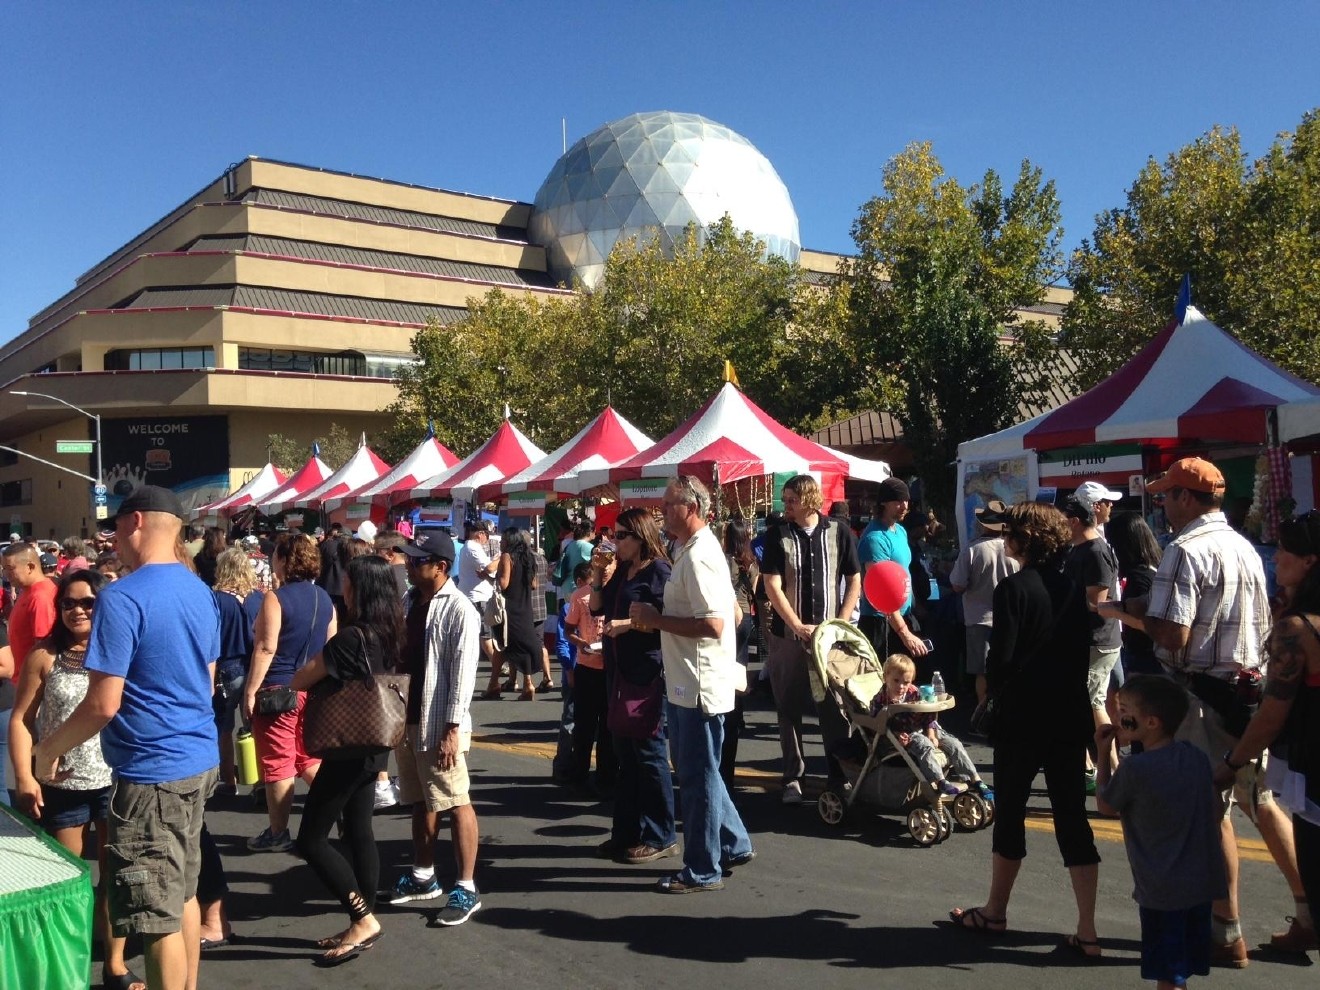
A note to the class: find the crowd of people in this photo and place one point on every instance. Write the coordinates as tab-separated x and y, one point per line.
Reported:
1111	665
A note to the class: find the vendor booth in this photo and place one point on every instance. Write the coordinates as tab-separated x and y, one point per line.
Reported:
263	483
375	499
503	455
1194	389
732	444
304	479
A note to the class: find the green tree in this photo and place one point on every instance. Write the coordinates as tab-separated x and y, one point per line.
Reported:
934	291
337	446
1245	233
651	339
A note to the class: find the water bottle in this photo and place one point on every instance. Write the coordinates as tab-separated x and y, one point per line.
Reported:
246	748
937	686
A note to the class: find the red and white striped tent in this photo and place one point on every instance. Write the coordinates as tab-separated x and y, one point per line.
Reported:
361	469
607	440
304	479
730	439
427	459
506	453
263	483
1193	383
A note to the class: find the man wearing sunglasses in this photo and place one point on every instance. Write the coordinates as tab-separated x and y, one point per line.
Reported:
1208	613
151	668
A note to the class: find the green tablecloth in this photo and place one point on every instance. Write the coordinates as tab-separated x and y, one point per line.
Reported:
45	911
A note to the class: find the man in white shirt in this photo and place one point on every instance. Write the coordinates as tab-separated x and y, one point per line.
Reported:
977	571
702	674
476	569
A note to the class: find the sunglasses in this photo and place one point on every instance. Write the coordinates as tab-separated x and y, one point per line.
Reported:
69	604
625	534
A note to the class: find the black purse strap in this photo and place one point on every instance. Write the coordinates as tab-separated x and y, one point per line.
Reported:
311	630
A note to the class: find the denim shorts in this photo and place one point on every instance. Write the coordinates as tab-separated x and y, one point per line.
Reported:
154	853
63	808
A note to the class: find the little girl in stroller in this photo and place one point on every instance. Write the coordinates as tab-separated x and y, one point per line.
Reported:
921	734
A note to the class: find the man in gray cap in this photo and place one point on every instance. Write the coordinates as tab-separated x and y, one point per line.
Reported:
885	539
150	667
981	566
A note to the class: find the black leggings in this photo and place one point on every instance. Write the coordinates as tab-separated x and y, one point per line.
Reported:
1016	767
346	787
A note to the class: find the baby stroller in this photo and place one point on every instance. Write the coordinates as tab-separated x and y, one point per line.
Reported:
846	671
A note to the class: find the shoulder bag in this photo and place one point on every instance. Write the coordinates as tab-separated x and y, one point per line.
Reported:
362	715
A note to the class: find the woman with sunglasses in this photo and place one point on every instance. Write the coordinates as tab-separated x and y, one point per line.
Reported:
643	829
1288	720
1036	674
53	683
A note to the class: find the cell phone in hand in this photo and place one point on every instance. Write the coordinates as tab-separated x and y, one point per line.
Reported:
929	644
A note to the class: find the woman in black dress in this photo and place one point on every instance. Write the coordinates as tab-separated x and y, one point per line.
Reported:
516	577
1036	673
1138	554
345	786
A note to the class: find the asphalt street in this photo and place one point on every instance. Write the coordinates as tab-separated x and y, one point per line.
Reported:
844	906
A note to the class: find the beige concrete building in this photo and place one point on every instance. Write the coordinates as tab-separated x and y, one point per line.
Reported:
278	299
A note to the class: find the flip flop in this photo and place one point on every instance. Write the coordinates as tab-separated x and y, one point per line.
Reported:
330	941
214	943
124	981
975	920
351	951
1086	947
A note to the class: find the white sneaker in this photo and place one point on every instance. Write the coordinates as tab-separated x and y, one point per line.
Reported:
386	795
792	793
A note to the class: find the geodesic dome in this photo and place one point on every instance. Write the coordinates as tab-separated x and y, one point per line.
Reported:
652	174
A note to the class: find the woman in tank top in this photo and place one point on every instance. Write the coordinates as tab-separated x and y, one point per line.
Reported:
52	685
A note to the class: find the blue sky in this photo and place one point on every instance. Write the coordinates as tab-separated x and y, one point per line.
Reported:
114	112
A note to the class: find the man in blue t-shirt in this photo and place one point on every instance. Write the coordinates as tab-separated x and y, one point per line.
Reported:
885	539
151	659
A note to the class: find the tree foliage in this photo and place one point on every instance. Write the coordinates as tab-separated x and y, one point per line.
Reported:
1246	233
337	446
940	271
651	339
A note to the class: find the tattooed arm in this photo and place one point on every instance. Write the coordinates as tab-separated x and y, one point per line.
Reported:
1288	647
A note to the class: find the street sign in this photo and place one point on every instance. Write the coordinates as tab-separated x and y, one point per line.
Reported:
75	446
102	512
100	490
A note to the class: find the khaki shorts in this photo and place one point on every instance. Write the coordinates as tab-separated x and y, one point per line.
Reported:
1099	666
1204	729
420	779
154	852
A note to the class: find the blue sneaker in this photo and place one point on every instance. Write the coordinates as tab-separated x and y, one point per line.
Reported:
407	888
948	789
462	904
268	841
984	789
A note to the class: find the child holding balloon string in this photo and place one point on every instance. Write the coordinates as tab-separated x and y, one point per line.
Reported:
921	734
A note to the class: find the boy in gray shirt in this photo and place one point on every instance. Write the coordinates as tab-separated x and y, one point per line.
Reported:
1166	798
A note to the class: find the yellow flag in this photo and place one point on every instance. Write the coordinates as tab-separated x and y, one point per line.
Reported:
729	374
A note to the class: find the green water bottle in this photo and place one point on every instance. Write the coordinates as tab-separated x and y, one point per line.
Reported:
246	748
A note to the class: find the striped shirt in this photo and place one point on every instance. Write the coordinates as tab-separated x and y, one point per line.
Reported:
811	566
453	649
1211	582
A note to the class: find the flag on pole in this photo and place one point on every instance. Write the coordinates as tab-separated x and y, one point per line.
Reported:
1184	299
316	449
729	374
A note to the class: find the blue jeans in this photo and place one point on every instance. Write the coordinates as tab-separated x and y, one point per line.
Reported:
712	828
5	783
644	798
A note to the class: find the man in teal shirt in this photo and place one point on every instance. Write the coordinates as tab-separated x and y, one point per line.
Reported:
885	539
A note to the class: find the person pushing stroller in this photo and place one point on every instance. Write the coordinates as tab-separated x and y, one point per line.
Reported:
921	734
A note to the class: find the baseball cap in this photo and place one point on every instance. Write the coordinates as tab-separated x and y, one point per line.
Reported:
431	543
991	515
1193	473
150	498
49	562
1090	492
893	490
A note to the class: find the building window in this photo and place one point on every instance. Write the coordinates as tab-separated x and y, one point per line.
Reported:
16	493
157	358
308	362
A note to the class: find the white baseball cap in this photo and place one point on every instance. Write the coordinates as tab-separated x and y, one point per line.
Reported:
1090	492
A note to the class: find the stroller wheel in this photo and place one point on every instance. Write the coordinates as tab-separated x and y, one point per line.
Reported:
971	811
946	822
924	826
831	807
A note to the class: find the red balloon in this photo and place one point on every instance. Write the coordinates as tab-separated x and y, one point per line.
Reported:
887	586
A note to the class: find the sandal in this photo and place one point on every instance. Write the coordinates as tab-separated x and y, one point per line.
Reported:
527	694
1088	948
976	920
330	941
350	950
126	980
493	694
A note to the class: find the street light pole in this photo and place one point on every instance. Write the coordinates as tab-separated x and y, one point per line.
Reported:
100	474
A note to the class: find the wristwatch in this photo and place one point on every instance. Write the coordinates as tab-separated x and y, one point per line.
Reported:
1228	761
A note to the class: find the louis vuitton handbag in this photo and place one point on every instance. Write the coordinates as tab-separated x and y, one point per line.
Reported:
355	717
